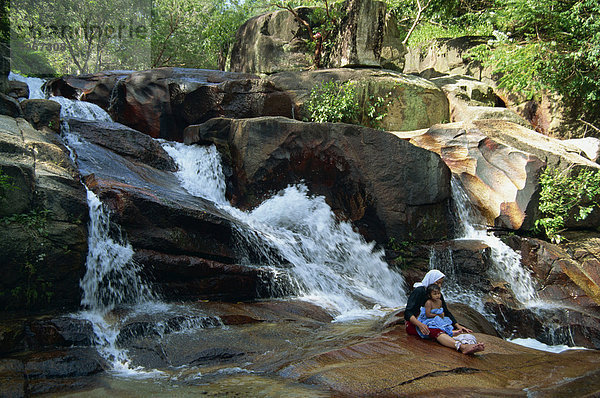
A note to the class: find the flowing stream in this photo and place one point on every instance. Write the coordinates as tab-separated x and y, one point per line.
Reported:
506	262
317	257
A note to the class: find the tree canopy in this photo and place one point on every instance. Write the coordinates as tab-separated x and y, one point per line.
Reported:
538	44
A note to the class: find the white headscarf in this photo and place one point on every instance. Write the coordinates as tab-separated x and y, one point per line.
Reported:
430	278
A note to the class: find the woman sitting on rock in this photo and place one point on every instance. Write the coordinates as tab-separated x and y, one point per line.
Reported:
417	299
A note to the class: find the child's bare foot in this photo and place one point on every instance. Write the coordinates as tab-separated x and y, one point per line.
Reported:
472	348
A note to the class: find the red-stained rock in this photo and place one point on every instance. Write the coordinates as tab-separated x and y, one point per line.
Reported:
182	277
162	102
396	364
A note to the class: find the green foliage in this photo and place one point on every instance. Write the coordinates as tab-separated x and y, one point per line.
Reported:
36	221
376	110
333	102
192	34
442	18
34	291
565	195
6	184
402	252
427	32
552	45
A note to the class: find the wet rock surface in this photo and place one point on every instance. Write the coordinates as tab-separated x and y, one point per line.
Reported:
43	242
54	371
395	364
124	141
162	102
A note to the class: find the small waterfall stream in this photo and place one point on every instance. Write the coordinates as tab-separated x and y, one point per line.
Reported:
112	277
506	262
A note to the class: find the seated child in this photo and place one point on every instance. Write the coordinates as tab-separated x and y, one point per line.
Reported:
432	314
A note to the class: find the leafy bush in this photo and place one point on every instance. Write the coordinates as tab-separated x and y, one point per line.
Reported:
333	102
6	184
566	194
549	44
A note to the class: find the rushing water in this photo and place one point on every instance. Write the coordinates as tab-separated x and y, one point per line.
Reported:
35	85
329	263
506	263
112	277
81	110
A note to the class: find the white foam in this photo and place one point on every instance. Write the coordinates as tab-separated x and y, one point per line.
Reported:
330	263
538	345
34	83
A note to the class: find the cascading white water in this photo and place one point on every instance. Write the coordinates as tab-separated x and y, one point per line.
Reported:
330	263
506	262
199	170
112	277
80	110
34	83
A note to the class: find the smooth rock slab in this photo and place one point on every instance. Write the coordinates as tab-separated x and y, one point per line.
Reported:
395	364
498	163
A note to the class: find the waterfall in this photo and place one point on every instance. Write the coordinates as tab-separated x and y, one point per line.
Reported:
329	263
35	85
112	277
506	262
80	110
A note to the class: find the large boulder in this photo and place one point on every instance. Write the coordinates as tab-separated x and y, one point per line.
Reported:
125	141
386	186
271	42
447	56
18	90
97	88
471	99
410	102
366	35
498	164
184	244
44	209
42	113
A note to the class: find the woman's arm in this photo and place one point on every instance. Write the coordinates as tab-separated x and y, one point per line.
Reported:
422	327
416	300
448	313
